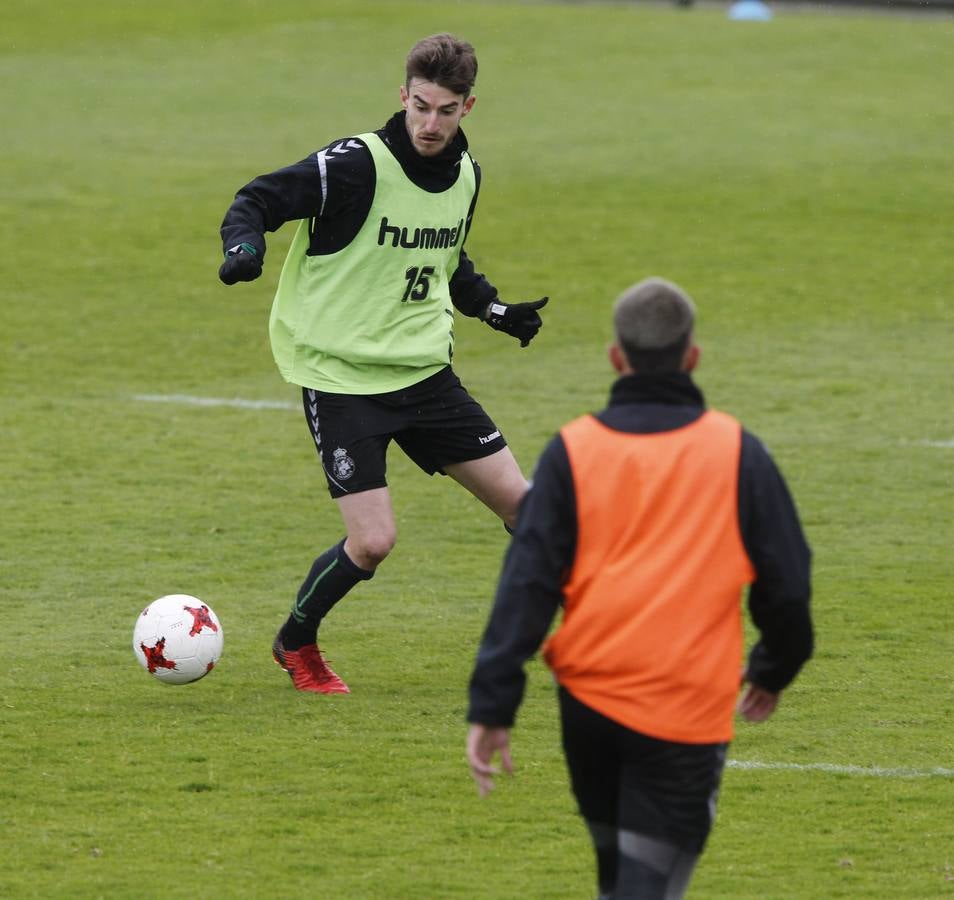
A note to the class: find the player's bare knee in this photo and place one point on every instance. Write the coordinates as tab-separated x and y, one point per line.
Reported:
380	546
369	550
512	508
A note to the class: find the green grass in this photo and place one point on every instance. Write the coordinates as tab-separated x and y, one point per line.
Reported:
796	177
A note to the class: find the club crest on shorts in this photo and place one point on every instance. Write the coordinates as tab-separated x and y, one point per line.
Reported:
343	464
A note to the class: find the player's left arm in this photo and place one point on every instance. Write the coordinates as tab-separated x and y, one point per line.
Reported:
779	598
756	704
473	295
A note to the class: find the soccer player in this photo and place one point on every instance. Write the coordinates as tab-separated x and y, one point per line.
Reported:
644	523
363	321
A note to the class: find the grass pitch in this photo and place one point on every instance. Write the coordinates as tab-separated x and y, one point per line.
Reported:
796	177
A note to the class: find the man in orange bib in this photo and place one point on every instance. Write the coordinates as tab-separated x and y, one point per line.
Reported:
644	523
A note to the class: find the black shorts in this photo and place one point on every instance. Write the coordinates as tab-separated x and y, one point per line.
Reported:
661	789
435	422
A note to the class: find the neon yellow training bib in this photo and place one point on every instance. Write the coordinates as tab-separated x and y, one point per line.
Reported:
375	316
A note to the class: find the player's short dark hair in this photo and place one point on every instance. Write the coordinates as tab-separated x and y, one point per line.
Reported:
653	321
446	61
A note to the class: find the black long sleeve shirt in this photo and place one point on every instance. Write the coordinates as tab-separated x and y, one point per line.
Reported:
543	546
333	189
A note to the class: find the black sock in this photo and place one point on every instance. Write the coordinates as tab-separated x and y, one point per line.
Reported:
607	856
332	575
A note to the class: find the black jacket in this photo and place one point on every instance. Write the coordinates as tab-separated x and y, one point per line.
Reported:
334	187
542	551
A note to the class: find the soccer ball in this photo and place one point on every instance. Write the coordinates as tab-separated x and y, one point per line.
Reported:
178	639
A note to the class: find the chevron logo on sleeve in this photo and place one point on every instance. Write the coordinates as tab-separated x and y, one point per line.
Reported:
322	157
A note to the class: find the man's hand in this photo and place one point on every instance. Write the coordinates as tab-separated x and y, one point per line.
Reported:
757	704
482	742
242	263
518	319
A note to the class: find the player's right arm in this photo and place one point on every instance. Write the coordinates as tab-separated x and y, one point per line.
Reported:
529	592
335	182
265	204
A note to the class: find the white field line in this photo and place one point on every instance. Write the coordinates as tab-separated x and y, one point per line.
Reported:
240	403
866	771
940	443
236	402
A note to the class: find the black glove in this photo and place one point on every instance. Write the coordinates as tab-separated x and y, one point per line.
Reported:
518	319
242	263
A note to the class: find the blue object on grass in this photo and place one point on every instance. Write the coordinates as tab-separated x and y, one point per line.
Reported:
750	11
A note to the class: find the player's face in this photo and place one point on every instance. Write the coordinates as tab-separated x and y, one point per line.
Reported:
433	115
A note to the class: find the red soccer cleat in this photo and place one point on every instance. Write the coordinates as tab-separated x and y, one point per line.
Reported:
308	669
